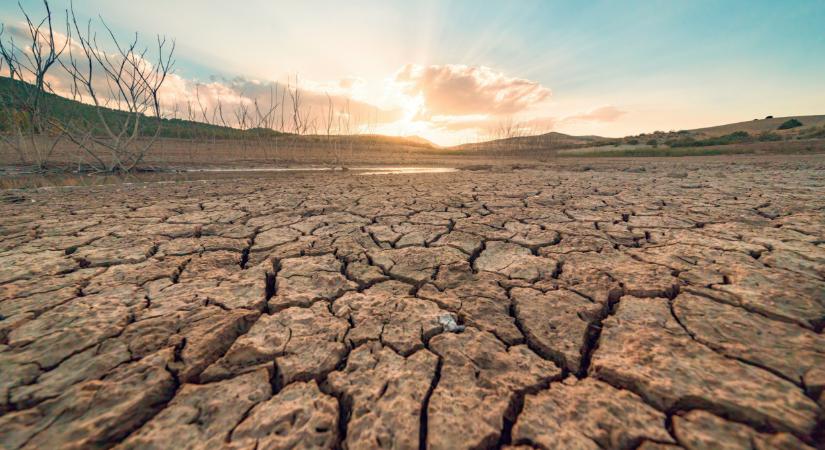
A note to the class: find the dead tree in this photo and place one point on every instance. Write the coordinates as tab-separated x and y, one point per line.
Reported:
203	110
205	118
197	135
263	123
298	126
28	123
282	123
347	123
241	114
328	122
123	87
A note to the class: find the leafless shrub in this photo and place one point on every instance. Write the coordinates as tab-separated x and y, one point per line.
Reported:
332	142
124	81
28	126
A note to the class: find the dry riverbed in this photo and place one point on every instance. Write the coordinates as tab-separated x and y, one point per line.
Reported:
679	304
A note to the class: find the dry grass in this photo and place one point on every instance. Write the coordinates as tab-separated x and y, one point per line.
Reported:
753	148
760	126
185	154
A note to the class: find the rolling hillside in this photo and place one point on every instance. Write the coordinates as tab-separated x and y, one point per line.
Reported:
67	110
763	130
761	126
547	141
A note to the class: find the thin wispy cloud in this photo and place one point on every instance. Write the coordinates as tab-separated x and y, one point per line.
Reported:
602	114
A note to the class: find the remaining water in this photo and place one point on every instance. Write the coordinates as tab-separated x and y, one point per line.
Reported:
36	180
403	170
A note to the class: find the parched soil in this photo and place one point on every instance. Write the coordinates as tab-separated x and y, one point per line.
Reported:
657	307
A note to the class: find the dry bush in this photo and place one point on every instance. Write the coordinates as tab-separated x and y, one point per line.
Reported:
28	127
121	87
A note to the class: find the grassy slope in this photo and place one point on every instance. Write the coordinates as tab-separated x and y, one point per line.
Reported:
552	141
67	110
760	126
812	127
695	151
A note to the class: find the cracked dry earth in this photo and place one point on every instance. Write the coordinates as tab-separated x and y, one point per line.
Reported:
605	309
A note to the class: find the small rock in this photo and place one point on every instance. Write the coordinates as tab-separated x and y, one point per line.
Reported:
449	324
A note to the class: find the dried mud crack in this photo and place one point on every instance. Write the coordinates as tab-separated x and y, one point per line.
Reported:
552	307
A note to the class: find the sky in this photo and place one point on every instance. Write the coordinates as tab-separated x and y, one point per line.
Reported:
459	71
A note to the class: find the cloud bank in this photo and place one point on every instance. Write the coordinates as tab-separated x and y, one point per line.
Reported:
234	96
439	100
455	90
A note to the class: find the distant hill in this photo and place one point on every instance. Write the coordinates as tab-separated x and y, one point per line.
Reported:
548	141
734	133
420	140
761	125
67	110
759	130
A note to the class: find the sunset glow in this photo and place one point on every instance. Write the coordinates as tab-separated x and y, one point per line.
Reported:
453	72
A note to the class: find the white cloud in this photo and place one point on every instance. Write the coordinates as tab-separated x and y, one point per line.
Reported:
237	94
463	90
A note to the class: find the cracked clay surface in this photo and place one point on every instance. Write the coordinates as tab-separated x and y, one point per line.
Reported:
537	308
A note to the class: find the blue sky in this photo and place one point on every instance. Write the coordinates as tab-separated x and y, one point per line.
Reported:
657	64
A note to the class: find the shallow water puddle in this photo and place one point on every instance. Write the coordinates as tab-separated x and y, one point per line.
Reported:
403	170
